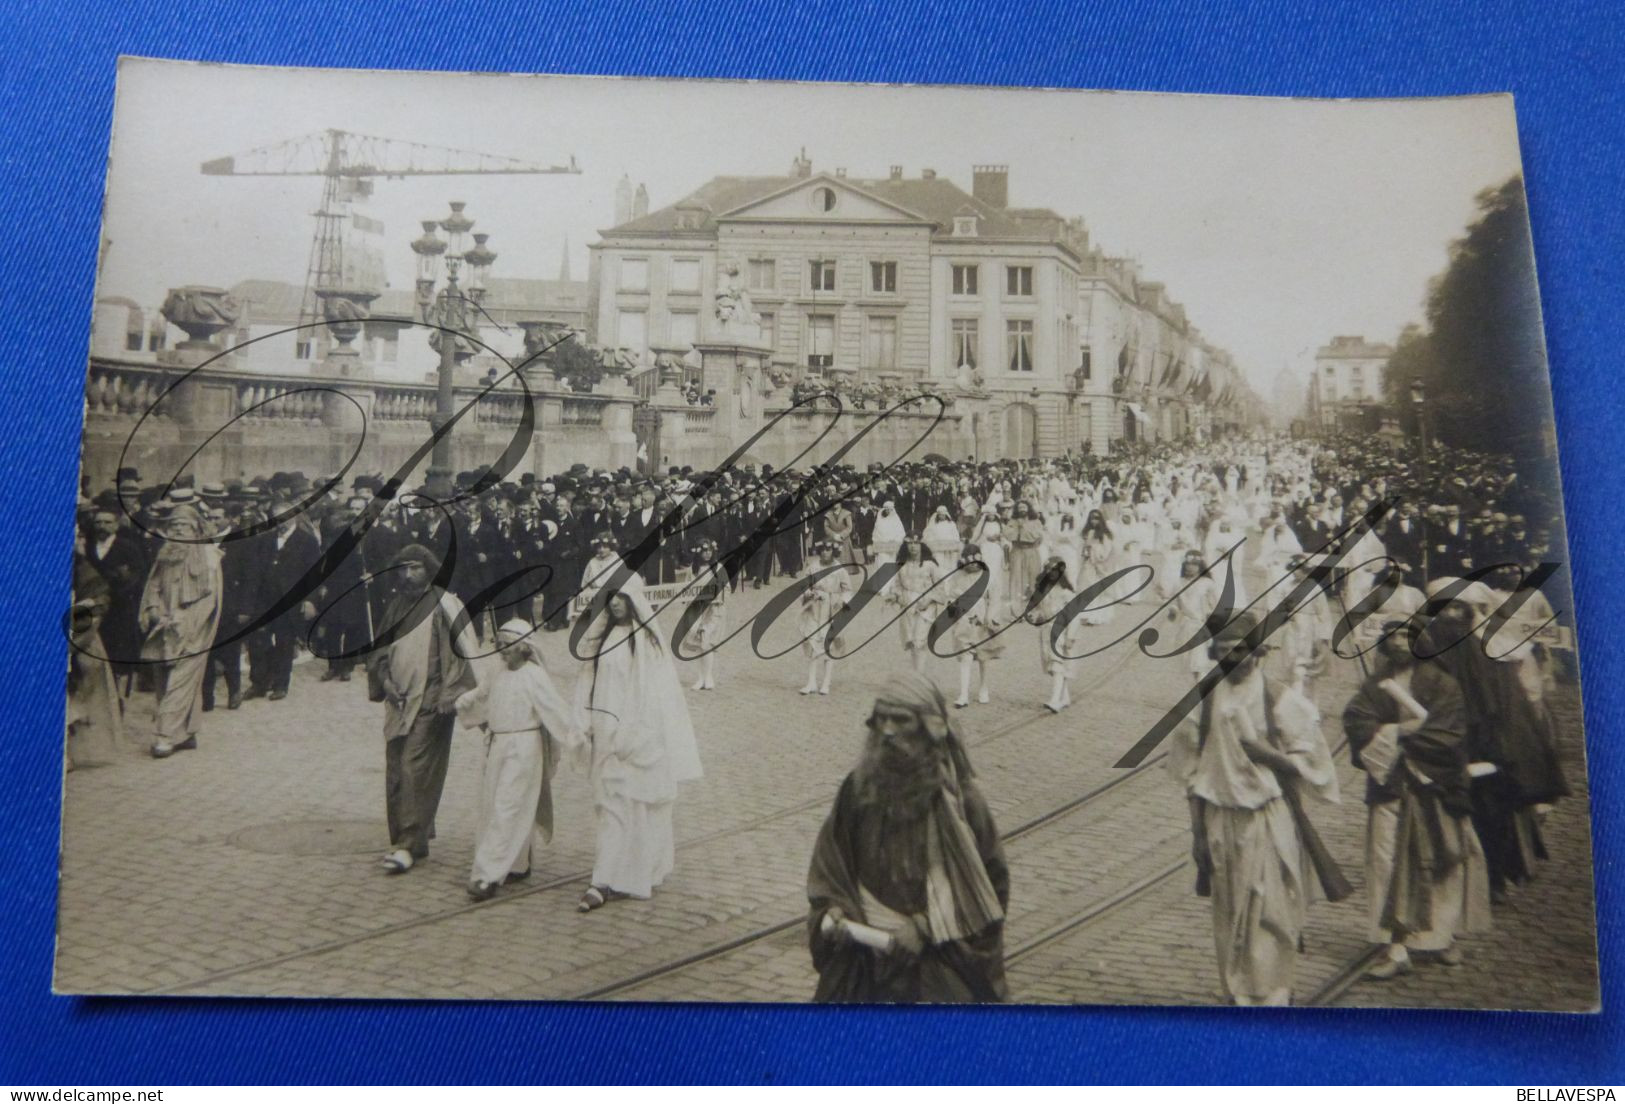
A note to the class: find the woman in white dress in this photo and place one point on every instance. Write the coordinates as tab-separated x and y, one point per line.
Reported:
820	602
911	591
942	535
974	635
1025	535
641	741
1095	563
1278	545
888	534
1196	603
1057	647
708	599
989	537
1063	541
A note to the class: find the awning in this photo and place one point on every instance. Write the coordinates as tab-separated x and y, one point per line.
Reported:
1138	411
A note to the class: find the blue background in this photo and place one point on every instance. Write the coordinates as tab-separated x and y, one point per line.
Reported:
1561	59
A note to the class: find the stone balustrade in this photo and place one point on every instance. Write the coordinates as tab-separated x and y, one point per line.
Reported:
243	422
229	421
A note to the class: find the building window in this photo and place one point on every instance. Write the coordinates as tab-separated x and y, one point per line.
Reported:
132	341
883	276
763	275
685	275
770	330
632	331
634	274
880	346
963	341
1018	279
823	275
965	279
1018	344
965	226
823	199
685	328
820	340
1086	367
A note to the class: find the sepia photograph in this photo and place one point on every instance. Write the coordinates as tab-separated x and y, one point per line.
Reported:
610	539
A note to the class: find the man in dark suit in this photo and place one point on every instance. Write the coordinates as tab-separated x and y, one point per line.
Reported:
120	558
568	557
341	601
283	561
237	591
1402	536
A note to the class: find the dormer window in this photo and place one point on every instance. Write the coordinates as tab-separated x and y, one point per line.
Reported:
964	226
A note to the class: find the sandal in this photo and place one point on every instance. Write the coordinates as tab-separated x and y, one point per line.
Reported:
592	899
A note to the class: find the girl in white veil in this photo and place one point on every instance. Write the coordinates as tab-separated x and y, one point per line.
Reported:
641	741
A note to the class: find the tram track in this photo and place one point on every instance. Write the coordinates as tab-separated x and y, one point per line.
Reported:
768	931
1095	911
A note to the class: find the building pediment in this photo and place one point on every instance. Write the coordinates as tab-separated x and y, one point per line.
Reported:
822	197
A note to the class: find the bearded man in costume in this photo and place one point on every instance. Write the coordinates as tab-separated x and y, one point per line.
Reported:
909	884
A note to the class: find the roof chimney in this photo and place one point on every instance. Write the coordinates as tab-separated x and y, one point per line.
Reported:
928	174
840	173
991	184
623	200
801	167
640	202
897	172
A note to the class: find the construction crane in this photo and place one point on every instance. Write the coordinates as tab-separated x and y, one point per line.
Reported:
348	164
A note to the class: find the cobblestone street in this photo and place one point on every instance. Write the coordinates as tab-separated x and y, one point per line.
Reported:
250	865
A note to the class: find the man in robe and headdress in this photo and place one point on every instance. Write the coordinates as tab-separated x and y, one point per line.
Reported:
422	671
1245	760
1509	732
180	610
520	712
909	858
1425	872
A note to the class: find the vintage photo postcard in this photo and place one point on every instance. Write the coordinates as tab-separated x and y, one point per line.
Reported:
603	539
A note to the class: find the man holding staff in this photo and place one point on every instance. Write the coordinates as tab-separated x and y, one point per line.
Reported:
1425	872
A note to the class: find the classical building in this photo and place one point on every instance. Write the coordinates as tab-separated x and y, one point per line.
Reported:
1346	390
915	281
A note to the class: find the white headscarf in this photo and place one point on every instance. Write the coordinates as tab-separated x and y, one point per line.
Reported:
656	695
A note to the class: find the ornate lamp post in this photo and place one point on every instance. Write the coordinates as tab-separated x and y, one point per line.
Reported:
452	309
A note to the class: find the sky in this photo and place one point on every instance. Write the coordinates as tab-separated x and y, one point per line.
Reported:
1276	222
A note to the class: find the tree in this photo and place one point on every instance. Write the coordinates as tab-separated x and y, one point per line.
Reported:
1483	356
575	364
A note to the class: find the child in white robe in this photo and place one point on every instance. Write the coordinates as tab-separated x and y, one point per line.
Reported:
522	714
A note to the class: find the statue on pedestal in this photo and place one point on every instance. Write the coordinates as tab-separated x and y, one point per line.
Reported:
734	312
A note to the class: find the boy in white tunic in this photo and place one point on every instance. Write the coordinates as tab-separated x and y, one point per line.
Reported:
521	714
